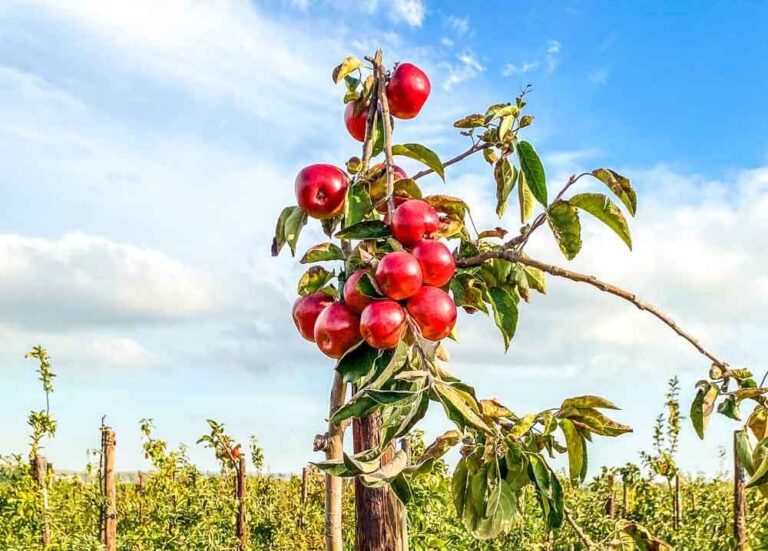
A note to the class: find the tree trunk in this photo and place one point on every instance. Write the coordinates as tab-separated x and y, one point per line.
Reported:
610	505
109	490
243	533
40	472
739	500
624	499
379	514
678	503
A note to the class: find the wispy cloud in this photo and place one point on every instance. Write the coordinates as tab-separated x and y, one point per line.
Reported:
526	67
459	25
599	76
411	12
466	68
553	55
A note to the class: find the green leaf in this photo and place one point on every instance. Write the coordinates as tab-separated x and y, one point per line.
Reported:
387	473
378	136
358	204
386	365
533	170
703	405
744	451
619	185
357	407
402	489
470	121
504	313
596	422
506	176
564	221
760	476
459	486
605	210
525	198
313	280
576	450
758	422
366	285
523	425
500	110
505	125
357	362
398	420
347	66
730	408
587	401
448	205
435	451
322	252
371	229
422	154
460	407
289	225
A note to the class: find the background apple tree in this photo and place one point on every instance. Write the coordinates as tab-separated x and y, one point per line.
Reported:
382	292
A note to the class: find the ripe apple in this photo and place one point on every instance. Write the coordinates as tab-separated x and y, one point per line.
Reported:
434	312
356	124
354	299
407	91
305	312
321	190
436	261
337	330
398	275
413	221
382	324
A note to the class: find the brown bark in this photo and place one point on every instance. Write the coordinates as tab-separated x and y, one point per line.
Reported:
678	504
739	500
379	513
40	471
243	533
109	490
332	443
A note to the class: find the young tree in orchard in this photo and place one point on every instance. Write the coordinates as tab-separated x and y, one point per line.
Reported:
395	268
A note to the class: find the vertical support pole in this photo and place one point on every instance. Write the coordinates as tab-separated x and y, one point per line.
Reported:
678	503
739	499
140	491
610	506
624	499
303	496
243	533
109	490
40	472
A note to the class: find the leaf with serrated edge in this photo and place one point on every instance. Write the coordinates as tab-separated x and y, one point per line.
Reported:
619	185
605	210
457	402
587	401
321	253
564	222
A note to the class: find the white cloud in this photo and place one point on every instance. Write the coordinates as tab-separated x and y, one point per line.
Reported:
447	42
553	53
460	25
467	68
409	11
86	280
512	69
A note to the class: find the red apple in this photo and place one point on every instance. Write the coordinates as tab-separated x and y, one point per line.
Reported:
407	91
305	312
436	261
356	124
382	324
398	275
434	312
413	221
337	330
354	299
320	190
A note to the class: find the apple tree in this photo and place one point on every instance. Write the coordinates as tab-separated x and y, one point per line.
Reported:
383	291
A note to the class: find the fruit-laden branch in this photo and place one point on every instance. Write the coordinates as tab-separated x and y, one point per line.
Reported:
514	256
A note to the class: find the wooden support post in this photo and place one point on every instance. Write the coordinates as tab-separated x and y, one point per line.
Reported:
624	499
610	505
378	511
40	472
243	532
739	499
304	472
109	490
678	503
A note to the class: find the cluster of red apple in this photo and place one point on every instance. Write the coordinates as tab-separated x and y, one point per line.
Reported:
409	280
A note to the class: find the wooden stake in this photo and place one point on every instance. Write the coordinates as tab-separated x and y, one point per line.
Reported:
109	490
678	504
243	533
40	471
739	499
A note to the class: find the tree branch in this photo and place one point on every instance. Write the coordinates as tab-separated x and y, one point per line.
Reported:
514	256
387	123
471	151
585	539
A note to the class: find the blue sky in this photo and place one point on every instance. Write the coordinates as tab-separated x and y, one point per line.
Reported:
147	148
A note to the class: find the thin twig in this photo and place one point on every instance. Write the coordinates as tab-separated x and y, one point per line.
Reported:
585	539
515	256
381	80
471	151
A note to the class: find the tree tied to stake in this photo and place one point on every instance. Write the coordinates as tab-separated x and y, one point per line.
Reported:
403	264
